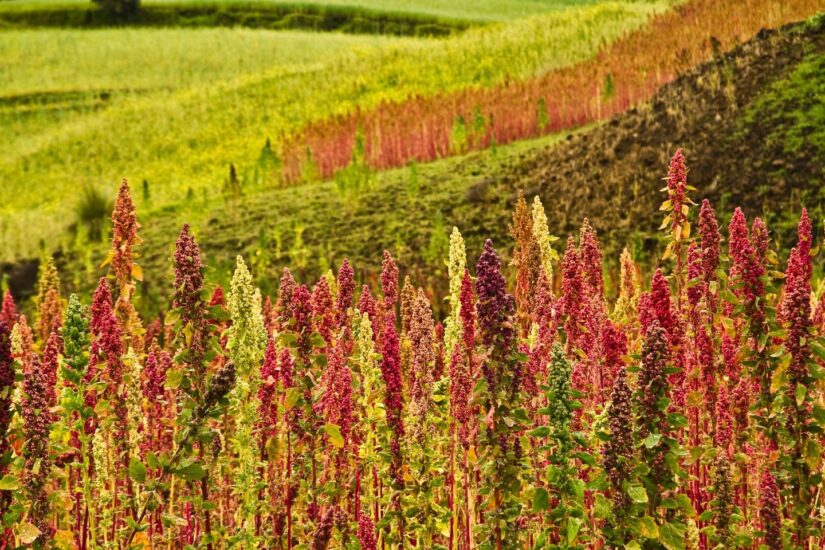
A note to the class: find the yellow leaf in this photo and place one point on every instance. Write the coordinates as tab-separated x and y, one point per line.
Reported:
137	272
27	533
472	457
64	540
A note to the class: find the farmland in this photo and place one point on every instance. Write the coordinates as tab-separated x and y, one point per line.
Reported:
387	275
177	141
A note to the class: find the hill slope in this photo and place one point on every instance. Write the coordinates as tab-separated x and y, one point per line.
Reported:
750	122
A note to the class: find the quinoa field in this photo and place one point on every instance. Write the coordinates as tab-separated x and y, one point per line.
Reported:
380	275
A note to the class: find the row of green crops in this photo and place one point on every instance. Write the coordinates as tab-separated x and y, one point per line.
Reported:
535	412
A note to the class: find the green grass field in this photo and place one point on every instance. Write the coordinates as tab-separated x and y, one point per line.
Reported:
181	137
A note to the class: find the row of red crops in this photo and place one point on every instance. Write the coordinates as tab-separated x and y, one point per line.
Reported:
623	74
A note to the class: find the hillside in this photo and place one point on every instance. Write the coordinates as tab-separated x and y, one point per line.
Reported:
86	119
748	122
739	119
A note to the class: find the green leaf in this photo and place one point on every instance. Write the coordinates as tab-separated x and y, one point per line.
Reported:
672	536
137	470
9	483
652	440
541	499
648	528
573	526
334	435
192	472
602	507
290	398
541	431
632	545
812	453
800	394
637	494
818	349
174	377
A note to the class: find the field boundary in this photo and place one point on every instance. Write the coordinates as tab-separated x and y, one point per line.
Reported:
254	15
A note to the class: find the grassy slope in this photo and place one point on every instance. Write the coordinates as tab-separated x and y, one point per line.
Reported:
721	114
186	139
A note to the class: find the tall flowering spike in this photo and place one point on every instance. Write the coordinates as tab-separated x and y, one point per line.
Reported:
739	246
157	363
652	388
760	239
660	302
389	283
22	342
456	267
6	392
710	238
723	502
723	435
614	347
591	260
8	313
101	305
270	317
501	446
188	276
572	291
421	343
284	304
393	393
804	242
337	400
526	259
770	512
468	312
50	365
571	277
796	307
268	389
707	368
49	305
626	309
541	234
366	533
407	303
107	334
367	306
461	387
652	381
619	449
322	310
247	340
696	272
302	312
36	421
495	306
346	290
124	234
677	204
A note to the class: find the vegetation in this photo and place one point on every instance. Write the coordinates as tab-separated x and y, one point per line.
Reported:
687	413
71	141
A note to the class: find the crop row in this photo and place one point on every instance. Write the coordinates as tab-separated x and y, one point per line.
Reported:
623	74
